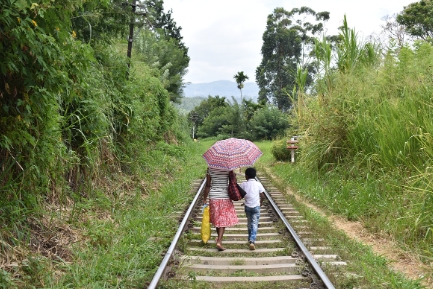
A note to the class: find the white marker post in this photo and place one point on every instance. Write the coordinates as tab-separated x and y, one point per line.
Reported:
292	148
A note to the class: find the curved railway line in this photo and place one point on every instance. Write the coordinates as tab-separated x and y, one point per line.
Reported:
287	254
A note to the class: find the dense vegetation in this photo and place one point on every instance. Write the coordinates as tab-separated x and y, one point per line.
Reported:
218	117
367	136
79	120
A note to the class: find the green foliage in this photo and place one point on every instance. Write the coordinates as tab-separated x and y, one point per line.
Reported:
327	119
279	150
267	123
323	51
101	21
249	120
236	122
240	78
68	114
286	44
6	280
164	23
350	52
416	18
374	121
203	110
249	107
217	122
166	58
40	62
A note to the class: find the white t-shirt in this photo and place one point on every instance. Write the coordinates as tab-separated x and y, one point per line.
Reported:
253	189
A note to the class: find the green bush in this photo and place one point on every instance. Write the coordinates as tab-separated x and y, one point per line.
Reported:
279	150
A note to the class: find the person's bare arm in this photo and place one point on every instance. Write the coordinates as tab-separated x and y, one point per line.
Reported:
262	197
206	188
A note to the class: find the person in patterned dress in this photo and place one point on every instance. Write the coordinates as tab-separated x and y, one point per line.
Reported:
221	208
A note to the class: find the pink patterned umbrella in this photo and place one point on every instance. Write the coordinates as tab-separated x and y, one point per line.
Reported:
232	153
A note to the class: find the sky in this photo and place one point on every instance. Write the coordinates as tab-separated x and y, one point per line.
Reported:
225	36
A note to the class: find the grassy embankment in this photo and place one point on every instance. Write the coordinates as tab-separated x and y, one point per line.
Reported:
366	151
116	238
373	270
125	237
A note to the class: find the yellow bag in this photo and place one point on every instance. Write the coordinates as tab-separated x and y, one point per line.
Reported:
205	225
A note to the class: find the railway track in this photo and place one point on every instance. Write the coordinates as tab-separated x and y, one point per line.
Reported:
287	254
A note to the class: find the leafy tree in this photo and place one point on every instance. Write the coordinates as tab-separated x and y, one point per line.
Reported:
225	121
268	122
217	122
216	116
287	43
208	105
162	46
236	120
163	22
417	18
230	120
249	107
202	111
165	56
240	78
102	20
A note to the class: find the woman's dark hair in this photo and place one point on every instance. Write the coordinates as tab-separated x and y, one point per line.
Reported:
250	173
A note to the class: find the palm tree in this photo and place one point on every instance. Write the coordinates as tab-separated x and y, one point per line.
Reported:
240	78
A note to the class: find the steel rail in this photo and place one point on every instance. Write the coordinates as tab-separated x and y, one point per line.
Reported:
307	254
170	251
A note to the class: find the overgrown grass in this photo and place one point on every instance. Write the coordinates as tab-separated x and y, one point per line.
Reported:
366	150
350	199
118	236
128	247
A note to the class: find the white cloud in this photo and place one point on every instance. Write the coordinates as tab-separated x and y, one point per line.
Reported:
225	36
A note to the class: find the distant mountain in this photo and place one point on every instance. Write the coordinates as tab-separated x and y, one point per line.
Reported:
222	88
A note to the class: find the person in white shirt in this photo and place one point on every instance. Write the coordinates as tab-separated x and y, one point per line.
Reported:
253	201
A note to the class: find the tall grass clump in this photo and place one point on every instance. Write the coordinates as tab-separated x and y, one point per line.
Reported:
369	128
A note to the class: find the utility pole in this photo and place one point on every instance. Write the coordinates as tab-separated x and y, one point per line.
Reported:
194	118
131	35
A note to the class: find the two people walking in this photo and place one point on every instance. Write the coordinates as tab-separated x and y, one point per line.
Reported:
222	210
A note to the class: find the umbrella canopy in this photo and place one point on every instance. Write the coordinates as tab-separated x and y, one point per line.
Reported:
232	153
